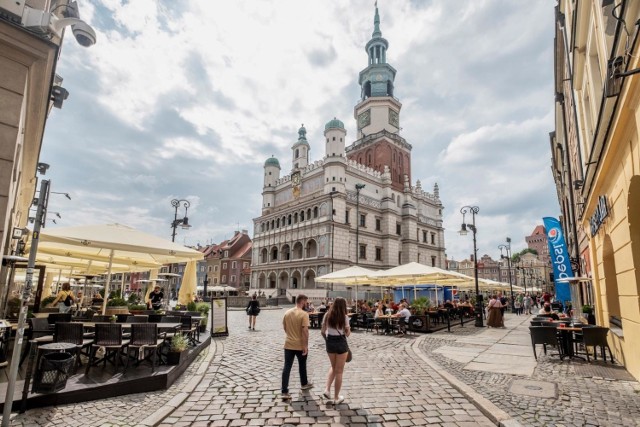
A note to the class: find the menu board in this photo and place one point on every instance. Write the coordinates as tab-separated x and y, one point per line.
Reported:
219	317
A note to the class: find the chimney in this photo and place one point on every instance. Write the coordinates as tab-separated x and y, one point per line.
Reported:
245	232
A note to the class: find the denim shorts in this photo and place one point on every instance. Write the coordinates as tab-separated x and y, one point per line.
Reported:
337	344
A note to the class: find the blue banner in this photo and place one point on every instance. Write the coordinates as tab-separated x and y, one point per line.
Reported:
560	258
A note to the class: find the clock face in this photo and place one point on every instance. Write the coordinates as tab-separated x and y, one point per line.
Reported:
364	119
394	120
379	77
295	179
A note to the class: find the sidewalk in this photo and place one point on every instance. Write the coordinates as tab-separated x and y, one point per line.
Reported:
497	370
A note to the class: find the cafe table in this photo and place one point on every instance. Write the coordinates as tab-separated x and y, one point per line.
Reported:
566	338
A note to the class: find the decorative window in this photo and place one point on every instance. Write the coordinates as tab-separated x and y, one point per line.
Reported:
234	265
363	252
224	265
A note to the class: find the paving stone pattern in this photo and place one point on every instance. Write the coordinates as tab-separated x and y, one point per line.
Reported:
580	401
385	384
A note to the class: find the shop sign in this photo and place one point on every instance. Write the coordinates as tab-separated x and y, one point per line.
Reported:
598	217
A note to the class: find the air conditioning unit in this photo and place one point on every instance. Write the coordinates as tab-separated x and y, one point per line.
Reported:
12	10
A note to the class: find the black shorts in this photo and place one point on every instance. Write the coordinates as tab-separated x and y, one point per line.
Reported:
337	344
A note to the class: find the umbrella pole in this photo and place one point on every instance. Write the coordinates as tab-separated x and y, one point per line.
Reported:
122	286
106	285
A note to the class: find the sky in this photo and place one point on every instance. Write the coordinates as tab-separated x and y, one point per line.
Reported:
186	100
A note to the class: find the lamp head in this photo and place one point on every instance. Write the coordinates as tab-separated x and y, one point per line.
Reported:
463	230
185	223
359	186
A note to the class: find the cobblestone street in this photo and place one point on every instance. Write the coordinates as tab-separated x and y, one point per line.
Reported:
392	381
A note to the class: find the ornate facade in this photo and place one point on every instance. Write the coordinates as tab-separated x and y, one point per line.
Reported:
355	206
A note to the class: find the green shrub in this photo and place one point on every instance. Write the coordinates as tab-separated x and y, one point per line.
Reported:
421	305
47	301
137	307
203	307
192	306
116	302
133	298
178	343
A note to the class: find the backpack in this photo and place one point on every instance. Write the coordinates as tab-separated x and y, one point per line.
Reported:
68	300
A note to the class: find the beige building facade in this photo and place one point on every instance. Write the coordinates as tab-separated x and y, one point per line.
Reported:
355	206
600	160
28	58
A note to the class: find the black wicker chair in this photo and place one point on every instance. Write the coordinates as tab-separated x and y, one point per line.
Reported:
145	336
73	333
596	336
155	318
101	318
109	336
137	319
40	331
59	317
189	329
545	335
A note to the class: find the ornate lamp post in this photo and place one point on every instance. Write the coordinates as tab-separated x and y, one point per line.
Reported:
507	249
183	222
463	232
358	188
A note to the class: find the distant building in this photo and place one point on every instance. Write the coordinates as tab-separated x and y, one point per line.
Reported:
538	242
355	206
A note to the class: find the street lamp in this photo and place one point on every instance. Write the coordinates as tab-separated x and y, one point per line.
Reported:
507	249
358	188
463	232
183	222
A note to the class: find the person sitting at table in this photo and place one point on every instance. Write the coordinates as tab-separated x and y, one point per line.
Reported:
447	304
403	315
546	309
79	300
322	308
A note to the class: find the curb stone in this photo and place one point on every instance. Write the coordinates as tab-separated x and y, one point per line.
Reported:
161	413
491	411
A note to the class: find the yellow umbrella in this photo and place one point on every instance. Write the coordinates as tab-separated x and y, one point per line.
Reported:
188	287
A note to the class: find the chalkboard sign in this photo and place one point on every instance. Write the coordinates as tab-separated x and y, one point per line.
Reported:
219	317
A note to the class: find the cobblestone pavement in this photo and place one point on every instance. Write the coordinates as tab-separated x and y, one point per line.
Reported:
385	384
573	399
391	382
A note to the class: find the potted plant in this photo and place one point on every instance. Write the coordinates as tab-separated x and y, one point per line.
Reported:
137	308
203	324
420	319
113	318
176	349
117	305
587	309
192	306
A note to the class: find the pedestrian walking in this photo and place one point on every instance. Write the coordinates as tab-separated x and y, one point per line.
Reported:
527	302
64	299
296	345
253	309
335	330
494	318
517	305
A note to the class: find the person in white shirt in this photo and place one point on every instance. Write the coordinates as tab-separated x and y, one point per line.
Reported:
404	314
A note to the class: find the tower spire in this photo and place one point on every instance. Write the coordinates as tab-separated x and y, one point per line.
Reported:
376	24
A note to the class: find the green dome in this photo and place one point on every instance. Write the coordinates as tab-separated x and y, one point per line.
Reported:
335	123
272	161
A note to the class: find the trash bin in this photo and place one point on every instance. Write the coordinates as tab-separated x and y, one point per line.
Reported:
52	374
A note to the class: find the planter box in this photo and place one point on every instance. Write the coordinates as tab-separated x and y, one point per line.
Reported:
202	328
175	358
419	323
116	310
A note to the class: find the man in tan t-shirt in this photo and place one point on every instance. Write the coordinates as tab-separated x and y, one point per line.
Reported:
296	345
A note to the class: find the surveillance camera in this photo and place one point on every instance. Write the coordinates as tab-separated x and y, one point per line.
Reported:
84	34
42	168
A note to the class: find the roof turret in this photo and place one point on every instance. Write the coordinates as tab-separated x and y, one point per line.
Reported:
335	124
302	137
272	161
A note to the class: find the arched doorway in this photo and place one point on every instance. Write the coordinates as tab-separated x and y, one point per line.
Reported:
297	251
310	279
296	280
262	281
285	253
312	249
283	281
272	281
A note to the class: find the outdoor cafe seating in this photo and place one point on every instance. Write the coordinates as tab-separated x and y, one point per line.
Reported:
145	336
109	336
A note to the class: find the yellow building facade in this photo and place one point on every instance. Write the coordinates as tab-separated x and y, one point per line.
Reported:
596	160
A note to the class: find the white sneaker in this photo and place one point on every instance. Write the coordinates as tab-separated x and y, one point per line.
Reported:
339	400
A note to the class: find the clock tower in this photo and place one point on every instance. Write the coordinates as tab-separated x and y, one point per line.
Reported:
378	115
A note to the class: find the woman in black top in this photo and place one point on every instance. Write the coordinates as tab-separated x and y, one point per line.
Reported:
253	309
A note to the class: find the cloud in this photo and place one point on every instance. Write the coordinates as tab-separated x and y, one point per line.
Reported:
188	100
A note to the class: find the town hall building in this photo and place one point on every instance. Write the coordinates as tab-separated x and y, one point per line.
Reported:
357	205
